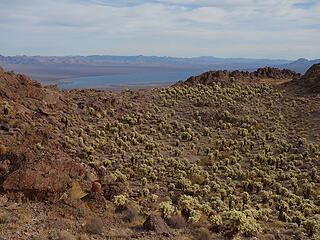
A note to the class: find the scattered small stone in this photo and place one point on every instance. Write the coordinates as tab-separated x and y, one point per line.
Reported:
94	226
111	190
64	235
96	187
83	237
53	235
120	233
91	177
4	166
3	149
202	234
39	237
3	199
131	214
61	235
7	218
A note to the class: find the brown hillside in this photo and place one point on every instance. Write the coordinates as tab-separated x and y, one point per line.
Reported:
204	159
33	162
227	77
19	87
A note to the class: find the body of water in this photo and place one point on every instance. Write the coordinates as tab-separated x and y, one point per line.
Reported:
126	79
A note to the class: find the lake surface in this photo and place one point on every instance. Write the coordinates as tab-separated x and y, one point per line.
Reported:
126	79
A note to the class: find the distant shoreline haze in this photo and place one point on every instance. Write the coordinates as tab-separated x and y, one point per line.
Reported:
51	69
126	79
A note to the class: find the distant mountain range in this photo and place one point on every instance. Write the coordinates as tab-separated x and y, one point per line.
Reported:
145	60
51	68
301	65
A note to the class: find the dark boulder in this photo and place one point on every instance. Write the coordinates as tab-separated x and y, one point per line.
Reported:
157	224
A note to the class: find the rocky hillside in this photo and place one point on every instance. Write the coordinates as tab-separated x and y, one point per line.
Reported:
204	159
226	77
310	80
31	159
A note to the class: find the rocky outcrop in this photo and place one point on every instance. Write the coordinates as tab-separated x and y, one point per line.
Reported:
19	87
226	77
310	80
157	224
274	73
53	172
22	89
36	163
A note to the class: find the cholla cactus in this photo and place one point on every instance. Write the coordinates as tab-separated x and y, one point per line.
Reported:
171	186
89	150
312	226
6	108
206	208
240	222
188	203
120	200
206	131
245	198
194	216
145	192
166	209
119	177
144	181
154	197
215	220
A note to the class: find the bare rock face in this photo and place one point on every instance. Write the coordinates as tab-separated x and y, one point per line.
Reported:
44	176
19	87
311	79
157	224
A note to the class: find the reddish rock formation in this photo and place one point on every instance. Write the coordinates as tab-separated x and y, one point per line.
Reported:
19	87
35	163
226	77
53	174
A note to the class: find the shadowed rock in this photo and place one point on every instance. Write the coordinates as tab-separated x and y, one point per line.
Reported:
157	224
310	80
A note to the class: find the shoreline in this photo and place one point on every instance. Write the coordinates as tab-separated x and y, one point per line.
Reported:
119	88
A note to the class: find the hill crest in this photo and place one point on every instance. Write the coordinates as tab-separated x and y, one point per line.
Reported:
227	77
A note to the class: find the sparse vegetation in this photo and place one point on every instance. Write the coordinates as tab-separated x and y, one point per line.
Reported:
240	158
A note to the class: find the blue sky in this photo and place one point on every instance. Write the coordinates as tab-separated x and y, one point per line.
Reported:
230	28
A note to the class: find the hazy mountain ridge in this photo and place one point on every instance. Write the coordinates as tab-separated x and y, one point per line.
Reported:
102	59
52	68
301	65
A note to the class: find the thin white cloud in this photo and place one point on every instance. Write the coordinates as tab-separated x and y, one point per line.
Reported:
167	27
